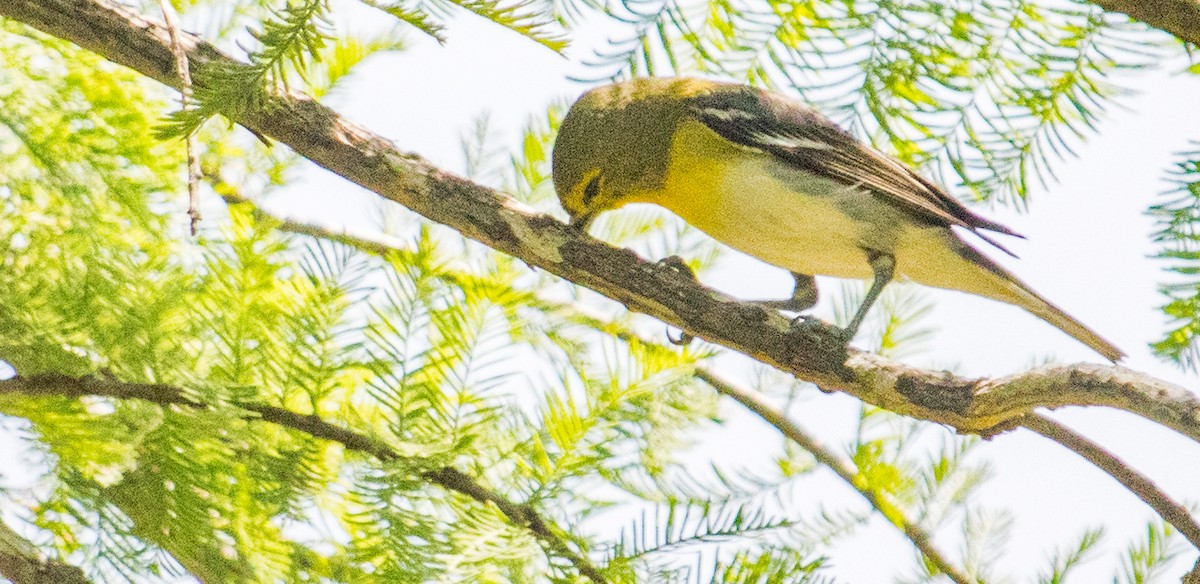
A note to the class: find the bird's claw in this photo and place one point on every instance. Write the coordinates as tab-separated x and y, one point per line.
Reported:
815	325
683	340
676	264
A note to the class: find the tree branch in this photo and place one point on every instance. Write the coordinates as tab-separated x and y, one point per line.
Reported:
1171	511
1193	576
1178	17
842	467
1145	489
969	405
379	244
21	562
312	425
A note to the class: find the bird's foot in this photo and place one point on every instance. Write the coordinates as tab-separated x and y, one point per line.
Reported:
677	265
814	325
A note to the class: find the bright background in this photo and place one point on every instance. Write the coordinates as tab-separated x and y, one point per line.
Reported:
1088	250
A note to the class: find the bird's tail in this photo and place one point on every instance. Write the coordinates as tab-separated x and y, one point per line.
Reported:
989	279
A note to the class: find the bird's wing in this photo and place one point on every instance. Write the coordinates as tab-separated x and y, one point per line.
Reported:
803	137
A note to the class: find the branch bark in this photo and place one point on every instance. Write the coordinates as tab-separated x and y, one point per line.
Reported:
312	425
980	406
21	562
1193	576
1181	18
1137	483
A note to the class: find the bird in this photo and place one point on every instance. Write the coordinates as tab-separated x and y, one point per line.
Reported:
768	175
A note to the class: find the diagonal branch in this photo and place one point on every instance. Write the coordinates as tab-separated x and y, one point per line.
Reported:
969	405
446	477
842	467
374	243
21	562
1178	17
1137	483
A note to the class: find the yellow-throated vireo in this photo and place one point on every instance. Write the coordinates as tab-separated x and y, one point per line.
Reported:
767	175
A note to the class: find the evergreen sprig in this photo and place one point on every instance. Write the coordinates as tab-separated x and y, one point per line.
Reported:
1179	243
987	95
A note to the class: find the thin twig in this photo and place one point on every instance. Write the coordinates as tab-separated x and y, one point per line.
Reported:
843	467
185	101
1137	483
374	243
446	477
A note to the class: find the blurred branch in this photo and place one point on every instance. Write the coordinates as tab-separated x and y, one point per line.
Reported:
978	406
371	242
1178	17
312	425
21	562
1137	483
844	468
1193	577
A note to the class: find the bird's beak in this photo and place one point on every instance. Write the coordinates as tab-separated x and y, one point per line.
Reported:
582	221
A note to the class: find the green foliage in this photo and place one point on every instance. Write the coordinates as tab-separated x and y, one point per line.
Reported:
933	486
1145	560
656	547
1177	236
294	31
296	43
454	356
770	565
529	18
290	35
1063	562
81	179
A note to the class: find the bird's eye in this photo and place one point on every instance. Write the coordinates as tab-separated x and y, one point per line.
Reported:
591	190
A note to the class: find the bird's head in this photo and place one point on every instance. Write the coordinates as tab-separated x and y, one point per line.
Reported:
613	145
581	158
583	200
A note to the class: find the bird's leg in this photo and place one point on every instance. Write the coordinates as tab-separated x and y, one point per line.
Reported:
884	266
677	264
804	295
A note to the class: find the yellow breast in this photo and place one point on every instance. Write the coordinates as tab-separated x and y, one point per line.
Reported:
748	200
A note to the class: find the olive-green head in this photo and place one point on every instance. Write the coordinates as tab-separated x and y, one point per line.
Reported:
612	147
582	151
